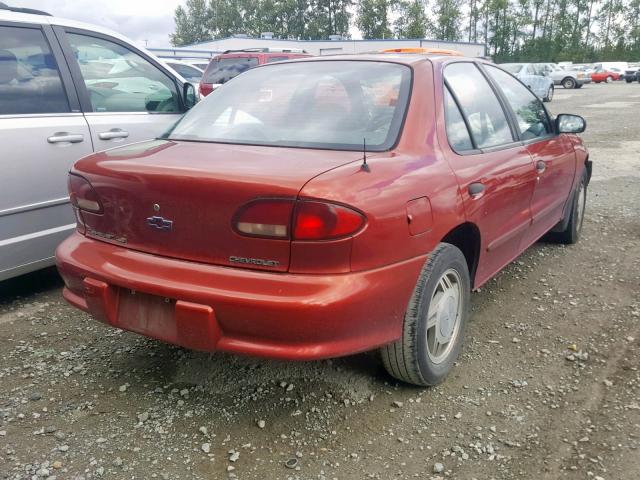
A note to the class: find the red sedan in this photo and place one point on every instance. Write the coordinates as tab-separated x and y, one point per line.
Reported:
602	75
324	207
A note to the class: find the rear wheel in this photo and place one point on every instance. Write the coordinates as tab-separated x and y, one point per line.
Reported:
628	80
549	95
571	234
434	322
609	79
569	83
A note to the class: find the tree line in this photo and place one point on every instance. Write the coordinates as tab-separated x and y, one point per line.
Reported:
513	30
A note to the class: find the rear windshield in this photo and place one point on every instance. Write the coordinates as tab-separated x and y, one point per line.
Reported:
321	104
224	69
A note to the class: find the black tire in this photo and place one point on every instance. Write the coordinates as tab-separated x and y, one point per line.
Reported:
628	80
568	83
571	234
549	96
409	359
579	85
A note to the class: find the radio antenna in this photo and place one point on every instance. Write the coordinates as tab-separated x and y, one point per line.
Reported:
364	166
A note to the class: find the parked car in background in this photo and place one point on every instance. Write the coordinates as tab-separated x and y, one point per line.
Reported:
539	84
632	73
261	225
231	63
201	64
602	75
567	77
67	89
189	72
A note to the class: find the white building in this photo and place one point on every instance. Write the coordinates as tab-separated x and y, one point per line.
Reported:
315	47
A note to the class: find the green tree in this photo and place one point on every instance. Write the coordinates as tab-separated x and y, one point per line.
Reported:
412	19
448	19
372	19
191	23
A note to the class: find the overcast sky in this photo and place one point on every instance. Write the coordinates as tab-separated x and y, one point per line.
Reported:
140	20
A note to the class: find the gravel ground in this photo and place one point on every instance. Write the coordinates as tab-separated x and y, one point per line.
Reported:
548	386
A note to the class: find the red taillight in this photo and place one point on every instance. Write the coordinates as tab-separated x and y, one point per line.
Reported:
205	89
82	194
268	218
301	220
324	221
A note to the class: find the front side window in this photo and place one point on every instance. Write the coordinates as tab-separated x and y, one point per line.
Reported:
487	120
457	132
323	104
119	80
224	69
29	77
532	118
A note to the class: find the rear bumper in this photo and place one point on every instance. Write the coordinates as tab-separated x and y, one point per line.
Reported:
205	307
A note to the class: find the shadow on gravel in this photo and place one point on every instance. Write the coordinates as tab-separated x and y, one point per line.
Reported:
30	284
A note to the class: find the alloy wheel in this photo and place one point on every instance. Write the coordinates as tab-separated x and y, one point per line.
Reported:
443	317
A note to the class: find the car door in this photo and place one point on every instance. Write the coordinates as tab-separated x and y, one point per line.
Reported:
495	172
553	155
43	133
126	96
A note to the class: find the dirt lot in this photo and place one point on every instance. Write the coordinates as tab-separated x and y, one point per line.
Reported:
548	386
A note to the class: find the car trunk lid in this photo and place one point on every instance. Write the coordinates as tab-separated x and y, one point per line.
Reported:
178	199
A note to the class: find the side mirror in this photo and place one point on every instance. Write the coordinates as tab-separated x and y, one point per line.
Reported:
189	95
567	123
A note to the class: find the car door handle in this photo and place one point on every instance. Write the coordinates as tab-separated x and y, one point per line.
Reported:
112	134
541	166
65	137
476	189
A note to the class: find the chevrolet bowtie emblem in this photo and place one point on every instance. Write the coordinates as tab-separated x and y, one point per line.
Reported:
160	223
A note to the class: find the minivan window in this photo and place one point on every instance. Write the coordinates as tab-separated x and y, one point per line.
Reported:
532	118
323	104
486	118
29	78
119	80
224	69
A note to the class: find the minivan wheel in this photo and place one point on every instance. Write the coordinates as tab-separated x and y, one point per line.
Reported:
434	322
549	96
569	83
571	234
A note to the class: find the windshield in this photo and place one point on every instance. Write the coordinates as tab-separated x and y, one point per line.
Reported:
512	67
320	104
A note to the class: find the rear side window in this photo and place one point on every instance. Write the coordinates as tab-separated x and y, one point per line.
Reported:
29	77
532	118
479	104
224	69
457	132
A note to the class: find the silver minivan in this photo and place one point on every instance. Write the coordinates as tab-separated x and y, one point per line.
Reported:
67	89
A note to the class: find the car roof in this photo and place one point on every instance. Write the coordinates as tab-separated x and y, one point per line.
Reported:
10	16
